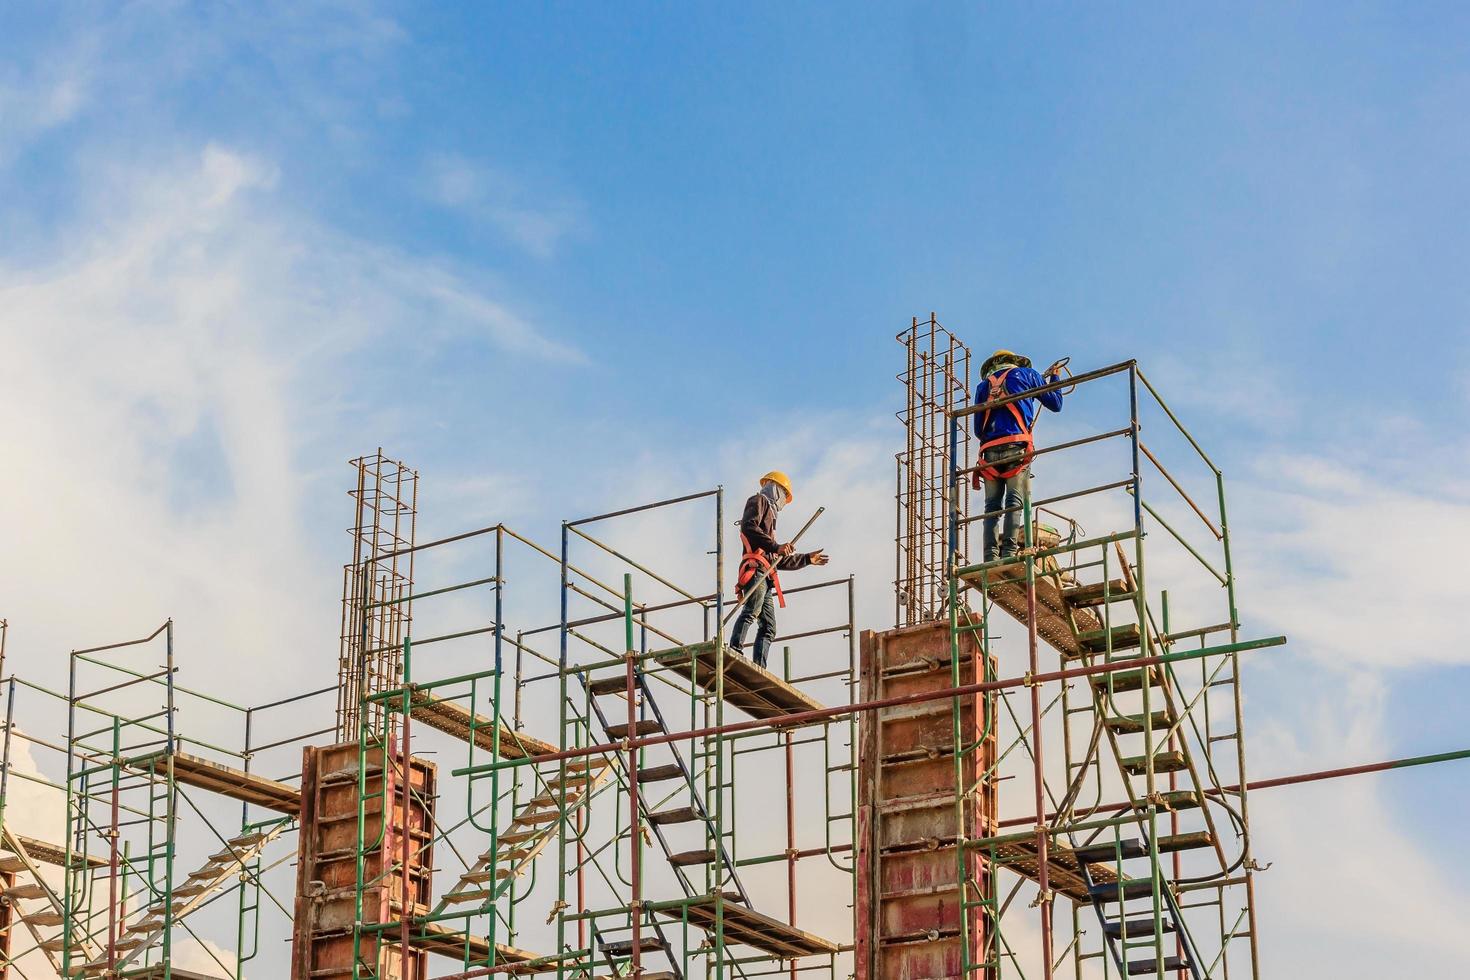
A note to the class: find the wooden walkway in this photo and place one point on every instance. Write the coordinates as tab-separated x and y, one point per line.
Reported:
192	770
452	718
750	928
47	853
1006	587
754	690
1063	873
440	939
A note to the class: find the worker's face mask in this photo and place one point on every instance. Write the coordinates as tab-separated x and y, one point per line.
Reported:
775	495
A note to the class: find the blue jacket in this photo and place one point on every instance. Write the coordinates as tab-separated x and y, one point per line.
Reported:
1001	422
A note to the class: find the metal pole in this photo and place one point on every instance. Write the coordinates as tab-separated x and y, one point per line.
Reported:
634	823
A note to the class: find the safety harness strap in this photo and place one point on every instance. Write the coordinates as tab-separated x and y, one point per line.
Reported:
752	563
988	471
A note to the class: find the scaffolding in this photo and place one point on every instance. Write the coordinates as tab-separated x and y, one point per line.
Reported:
548	760
1166	875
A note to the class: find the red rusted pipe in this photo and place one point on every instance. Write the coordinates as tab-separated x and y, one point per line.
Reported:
799	718
791	840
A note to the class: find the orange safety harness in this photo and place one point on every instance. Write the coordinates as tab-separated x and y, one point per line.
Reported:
752	563
986	470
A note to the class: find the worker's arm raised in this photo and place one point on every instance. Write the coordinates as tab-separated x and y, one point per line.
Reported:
1029	378
791	562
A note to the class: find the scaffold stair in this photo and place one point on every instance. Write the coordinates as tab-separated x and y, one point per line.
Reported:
21	869
711	852
615	948
528	832
1077	620
198	888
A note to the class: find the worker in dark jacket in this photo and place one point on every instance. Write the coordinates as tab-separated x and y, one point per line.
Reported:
758	592
1005	444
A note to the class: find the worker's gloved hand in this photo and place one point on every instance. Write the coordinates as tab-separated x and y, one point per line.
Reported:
819	557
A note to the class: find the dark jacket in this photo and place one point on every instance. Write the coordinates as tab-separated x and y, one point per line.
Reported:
758	524
1001	422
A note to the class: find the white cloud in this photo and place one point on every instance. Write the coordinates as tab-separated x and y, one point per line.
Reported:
537	223
165	376
1353	559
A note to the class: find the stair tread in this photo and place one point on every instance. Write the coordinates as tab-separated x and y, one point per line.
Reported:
1134	724
612	684
624	947
1170	761
1135	927
1125	680
1092	594
1176	799
683	814
1104	852
654	774
1125	637
647	726
686	858
1107	891
1172	964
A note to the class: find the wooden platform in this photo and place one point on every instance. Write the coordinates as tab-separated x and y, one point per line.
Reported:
1063	874
754	690
1006	587
46	853
438	938
192	770
753	929
452	718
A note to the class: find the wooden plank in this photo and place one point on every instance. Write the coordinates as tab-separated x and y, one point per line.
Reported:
1063	873
1006	587
201	773
40	850
751	928
752	689
440	939
454	719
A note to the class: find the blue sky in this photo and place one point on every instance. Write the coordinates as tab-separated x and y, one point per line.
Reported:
560	257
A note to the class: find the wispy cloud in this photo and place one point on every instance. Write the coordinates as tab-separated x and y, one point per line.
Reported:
537	222
201	321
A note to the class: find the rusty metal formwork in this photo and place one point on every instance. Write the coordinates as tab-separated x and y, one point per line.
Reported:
919	803
377	589
936	379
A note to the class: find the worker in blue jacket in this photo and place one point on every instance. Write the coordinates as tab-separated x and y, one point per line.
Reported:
1005	444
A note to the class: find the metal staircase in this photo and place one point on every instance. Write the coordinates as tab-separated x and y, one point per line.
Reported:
1139	712
711	854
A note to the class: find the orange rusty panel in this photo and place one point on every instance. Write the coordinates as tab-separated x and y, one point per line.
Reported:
322	945
930	959
908	909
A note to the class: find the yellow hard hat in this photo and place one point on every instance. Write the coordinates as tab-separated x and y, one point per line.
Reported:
781	480
1003	355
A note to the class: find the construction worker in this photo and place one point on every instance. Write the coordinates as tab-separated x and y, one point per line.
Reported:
757	591
1005	444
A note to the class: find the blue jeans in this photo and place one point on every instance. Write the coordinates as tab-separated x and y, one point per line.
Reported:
763	598
1005	493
